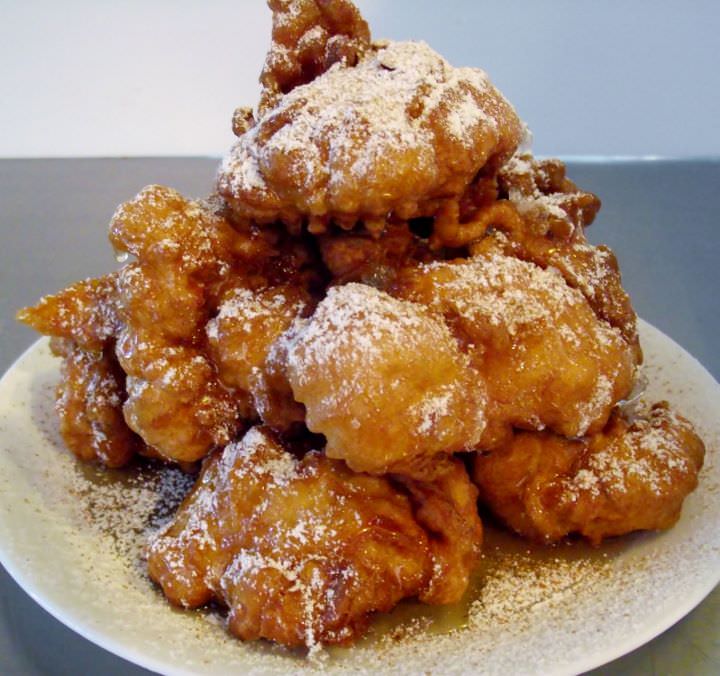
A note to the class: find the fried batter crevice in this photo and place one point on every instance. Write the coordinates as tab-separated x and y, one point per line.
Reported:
445	505
358	256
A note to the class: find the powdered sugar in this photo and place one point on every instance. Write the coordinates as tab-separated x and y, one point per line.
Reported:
247	564
589	268
276	468
503	291
656	460
466	116
402	98
600	401
356	321
247	306
519	165
431	409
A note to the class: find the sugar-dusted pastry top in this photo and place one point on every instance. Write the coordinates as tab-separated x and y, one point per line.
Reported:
385	381
303	551
398	133
634	475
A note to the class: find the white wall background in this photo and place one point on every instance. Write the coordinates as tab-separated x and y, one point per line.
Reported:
162	77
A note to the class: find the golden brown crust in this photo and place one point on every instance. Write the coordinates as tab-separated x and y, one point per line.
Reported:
308	37
303	551
631	476
384	381
175	401
546	360
400	133
83	313
90	396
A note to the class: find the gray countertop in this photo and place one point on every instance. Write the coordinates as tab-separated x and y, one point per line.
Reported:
662	218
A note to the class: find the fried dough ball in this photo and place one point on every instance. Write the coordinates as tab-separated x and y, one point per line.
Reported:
175	401
399	133
542	193
631	476
248	322
187	252
546	359
543	214
89	404
384	381
308	37
246	344
304	551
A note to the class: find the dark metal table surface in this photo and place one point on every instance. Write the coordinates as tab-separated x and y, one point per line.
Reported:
661	217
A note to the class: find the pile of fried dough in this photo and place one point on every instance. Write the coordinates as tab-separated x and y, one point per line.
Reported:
387	310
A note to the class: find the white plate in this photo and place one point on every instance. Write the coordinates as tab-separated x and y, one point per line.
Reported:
71	536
